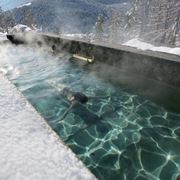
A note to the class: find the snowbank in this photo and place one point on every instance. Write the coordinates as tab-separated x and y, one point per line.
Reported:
27	4
19	28
2	36
81	36
146	46
29	148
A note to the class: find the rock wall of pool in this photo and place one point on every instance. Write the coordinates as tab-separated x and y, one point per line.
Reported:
129	129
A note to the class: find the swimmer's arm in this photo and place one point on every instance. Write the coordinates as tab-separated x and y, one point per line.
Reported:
93	97
67	110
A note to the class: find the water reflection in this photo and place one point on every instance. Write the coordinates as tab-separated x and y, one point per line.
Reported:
124	136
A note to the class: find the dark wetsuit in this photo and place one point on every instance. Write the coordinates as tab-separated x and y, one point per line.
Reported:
80	97
75	96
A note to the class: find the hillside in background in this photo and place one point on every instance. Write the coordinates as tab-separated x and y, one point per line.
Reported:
156	22
70	16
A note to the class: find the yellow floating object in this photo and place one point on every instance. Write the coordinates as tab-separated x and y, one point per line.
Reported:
87	59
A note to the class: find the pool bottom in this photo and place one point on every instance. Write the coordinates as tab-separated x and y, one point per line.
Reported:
127	143
119	136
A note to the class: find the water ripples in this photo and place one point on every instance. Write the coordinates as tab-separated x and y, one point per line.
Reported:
118	135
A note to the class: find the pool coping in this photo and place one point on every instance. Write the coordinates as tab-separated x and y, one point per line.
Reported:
30	149
36	36
155	65
121	47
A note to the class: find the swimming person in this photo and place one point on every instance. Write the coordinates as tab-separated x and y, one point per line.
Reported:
75	98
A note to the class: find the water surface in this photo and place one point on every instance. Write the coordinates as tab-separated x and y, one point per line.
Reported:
120	135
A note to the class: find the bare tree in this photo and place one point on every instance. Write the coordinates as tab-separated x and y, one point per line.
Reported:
115	25
29	19
6	20
1	10
175	29
157	21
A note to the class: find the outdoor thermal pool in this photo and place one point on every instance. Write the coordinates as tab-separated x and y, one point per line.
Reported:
118	135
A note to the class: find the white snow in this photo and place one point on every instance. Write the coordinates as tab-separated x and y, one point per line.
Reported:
2	36
27	4
19	28
146	46
132	43
29	149
74	35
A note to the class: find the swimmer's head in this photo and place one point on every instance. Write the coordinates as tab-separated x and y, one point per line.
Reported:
68	94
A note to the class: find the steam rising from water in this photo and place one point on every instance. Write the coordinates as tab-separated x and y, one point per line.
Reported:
123	132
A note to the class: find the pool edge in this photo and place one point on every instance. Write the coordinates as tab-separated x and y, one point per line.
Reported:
49	131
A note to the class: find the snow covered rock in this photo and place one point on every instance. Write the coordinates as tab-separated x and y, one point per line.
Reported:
20	28
147	46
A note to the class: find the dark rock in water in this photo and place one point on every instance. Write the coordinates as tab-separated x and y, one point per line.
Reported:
14	39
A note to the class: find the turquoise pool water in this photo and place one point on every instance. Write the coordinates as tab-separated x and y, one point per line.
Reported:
120	135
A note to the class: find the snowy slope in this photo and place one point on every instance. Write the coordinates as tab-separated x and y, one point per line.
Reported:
23	5
146	46
70	16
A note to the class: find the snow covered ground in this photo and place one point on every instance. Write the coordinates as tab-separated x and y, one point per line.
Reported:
26	4
2	36
91	37
19	28
30	150
146	46
132	43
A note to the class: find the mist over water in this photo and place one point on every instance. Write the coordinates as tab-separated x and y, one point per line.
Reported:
121	135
